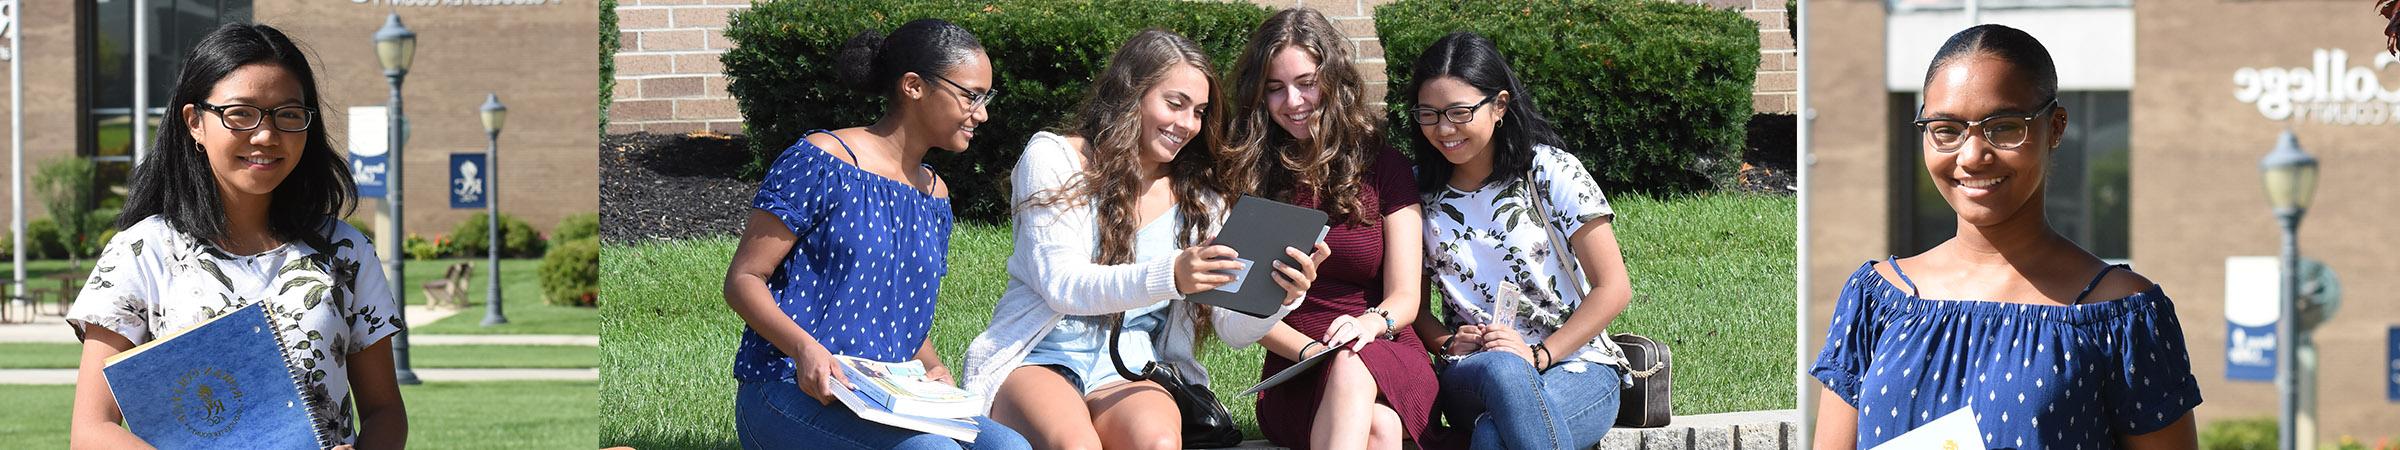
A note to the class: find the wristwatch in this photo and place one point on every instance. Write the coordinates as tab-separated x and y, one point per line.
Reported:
1391	328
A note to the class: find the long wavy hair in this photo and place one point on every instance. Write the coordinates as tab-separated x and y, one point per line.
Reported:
1269	161
175	182
1109	120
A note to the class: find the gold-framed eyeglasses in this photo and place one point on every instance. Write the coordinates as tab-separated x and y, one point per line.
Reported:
289	119
1456	114
975	99
2003	131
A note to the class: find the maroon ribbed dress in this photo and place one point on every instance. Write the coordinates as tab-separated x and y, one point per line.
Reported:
1346	285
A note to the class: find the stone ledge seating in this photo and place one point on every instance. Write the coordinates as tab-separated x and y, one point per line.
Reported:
1747	430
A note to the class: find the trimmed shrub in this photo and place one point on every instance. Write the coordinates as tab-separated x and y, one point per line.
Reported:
571	274
579	226
420	249
471	236
1652	96
608	60
44	240
1044	53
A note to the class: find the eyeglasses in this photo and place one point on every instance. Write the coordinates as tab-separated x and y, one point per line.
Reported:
1456	114
2005	132
289	119
974	99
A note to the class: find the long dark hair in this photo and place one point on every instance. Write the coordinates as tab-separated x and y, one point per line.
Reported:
1474	59
873	62
175	183
1268	160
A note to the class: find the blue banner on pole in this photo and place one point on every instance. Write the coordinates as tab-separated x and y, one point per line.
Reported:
370	156
469	181
368	172
2391	367
2252	306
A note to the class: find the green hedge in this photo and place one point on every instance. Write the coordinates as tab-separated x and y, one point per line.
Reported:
571	273
469	238
1044	53
1653	96
608	60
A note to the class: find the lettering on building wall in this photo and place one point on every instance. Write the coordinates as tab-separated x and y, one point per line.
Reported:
2330	91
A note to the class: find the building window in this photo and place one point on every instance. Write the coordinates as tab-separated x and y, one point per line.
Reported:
2087	185
107	56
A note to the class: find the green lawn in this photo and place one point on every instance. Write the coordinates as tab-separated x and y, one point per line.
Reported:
526	312
64	356
1713	277
500	414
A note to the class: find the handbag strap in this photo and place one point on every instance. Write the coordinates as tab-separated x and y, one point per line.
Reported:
1567	263
1116	327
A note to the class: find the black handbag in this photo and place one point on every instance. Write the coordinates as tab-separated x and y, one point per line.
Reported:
1206	424
1645	404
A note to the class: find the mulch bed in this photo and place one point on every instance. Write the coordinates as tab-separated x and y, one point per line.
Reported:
657	187
672	186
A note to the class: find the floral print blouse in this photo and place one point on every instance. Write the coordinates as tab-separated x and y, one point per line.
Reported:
327	300
1487	245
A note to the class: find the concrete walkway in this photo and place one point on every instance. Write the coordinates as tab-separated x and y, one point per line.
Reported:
53	329
67	376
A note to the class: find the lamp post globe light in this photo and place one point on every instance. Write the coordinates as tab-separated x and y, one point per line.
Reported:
494	116
395	48
2290	175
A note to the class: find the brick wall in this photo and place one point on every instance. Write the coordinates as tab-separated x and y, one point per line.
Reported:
1777	90
669	80
668	77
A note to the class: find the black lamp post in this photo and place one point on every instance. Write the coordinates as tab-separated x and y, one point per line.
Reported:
2290	175
396	47
494	115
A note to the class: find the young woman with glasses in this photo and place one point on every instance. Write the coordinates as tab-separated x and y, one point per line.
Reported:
1530	364
846	245
2043	343
1300	132
240	203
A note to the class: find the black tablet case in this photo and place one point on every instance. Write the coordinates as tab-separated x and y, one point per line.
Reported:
1259	229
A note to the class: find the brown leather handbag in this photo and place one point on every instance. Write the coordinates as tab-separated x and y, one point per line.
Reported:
1645	404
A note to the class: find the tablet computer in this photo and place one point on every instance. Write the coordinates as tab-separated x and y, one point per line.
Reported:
1259	229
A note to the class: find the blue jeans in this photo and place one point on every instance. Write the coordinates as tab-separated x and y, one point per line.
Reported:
1514	407
778	415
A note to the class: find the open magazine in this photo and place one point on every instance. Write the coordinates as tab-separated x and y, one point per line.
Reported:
898	394
1952	431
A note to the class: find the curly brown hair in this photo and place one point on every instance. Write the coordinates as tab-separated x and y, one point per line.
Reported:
1268	161
1110	123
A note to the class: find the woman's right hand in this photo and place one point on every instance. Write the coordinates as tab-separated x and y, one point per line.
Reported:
1204	267
818	373
1467	340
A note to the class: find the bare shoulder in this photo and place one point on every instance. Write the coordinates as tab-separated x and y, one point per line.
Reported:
941	189
837	141
2120	283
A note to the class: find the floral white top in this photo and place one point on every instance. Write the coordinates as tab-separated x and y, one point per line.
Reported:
152	280
1486	241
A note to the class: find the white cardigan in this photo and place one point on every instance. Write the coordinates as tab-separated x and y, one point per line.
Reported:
1051	275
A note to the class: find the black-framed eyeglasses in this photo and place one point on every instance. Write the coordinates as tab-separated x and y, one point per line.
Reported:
975	99
1456	114
289	119
2003	131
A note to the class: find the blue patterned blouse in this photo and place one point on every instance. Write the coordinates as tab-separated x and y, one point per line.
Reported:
2036	376
869	262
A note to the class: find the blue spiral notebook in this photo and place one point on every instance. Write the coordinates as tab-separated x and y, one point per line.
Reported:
221	384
